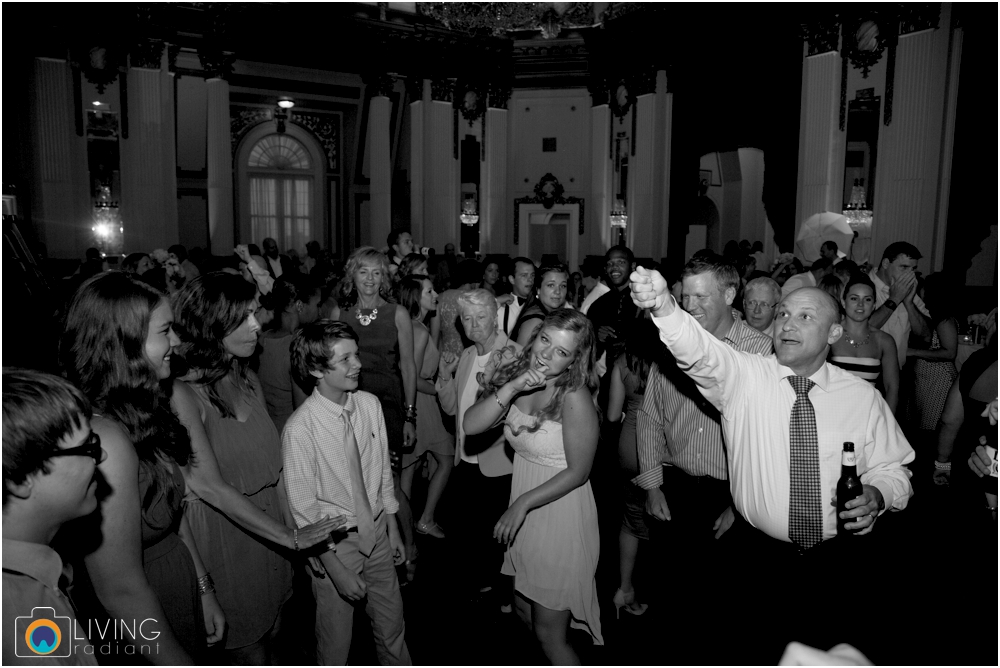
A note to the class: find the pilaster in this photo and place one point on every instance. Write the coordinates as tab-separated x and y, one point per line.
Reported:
493	201
220	169
380	170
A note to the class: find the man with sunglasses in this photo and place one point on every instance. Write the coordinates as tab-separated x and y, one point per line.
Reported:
760	296
50	458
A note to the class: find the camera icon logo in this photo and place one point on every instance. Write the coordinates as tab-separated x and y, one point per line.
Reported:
42	634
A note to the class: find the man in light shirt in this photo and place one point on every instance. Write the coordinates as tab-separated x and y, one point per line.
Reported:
898	309
760	297
794	578
522	281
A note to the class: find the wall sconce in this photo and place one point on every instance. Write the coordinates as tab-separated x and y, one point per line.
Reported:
281	113
469	214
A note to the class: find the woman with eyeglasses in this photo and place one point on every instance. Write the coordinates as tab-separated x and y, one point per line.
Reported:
236	494
116	348
552	288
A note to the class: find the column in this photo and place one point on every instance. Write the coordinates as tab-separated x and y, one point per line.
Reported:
220	169
441	206
417	163
664	127
61	205
493	185
168	137
380	169
149	190
947	148
601	168
821	143
642	178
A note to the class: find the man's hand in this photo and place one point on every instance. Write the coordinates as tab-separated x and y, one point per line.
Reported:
316	566
725	521
979	461
656	504
941	477
990	412
863	510
503	300
350	585
649	290
606	332
903	287
396	546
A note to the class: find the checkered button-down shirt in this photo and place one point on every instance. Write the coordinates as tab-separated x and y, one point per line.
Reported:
317	476
678	426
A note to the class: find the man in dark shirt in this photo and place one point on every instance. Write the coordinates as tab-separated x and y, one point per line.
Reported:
614	314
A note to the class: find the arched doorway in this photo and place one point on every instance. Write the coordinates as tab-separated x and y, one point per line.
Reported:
703	232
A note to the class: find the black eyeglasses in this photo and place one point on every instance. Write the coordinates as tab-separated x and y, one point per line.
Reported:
90	448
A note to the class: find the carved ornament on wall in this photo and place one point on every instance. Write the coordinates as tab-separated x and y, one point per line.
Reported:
822	35
217	64
99	65
621	98
381	84
324	127
499	94
470	100
442	90
866	38
242	119
548	193
914	17
147	54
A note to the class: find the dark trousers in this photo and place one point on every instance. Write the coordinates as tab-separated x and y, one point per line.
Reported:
478	503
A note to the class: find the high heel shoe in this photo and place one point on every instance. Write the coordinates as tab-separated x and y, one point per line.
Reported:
627	601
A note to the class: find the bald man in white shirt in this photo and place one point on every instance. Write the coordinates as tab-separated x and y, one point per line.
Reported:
791	578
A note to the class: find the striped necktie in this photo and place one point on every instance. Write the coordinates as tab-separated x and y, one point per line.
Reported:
362	507
805	513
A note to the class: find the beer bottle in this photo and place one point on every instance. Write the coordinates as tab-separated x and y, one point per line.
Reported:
848	487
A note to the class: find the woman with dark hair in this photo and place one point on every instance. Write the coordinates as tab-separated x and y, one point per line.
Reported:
235	490
414	264
385	346
417	296
551	525
628	387
116	348
552	287
293	303
934	367
491	276
863	350
576	291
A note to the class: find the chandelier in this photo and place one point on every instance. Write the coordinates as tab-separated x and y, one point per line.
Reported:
469	215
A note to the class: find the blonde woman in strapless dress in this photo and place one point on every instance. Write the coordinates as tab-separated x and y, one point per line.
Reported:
551	526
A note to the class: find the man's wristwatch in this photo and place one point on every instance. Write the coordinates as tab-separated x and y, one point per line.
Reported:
890	304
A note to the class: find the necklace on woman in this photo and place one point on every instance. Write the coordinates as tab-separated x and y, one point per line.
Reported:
858	344
365	319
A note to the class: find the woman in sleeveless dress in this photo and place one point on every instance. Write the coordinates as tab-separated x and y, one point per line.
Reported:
235	495
934	367
628	387
552	288
551	525
417	296
116	348
293	305
385	346
863	350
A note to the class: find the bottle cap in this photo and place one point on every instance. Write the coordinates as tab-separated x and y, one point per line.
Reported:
848	446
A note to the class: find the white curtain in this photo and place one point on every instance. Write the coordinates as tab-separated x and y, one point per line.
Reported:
263	209
279	208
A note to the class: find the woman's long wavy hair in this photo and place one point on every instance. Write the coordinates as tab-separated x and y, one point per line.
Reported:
408	293
580	373
206	311
103	352
347	293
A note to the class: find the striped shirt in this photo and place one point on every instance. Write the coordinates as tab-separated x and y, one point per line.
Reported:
317	476
677	426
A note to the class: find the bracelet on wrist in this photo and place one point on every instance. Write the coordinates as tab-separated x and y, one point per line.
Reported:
499	403
942	466
206	585
295	538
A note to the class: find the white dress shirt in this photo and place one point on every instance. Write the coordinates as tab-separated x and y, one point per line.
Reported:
317	473
599	291
755	400
511	311
898	324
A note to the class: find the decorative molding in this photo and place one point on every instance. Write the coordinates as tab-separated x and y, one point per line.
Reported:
414	85
548	193
173	50
326	129
380	84
470	99
822	35
914	17
443	90
215	62
616	10
242	119
499	94
598	87
147	54
866	37
643	82
621	98
99	65
496	19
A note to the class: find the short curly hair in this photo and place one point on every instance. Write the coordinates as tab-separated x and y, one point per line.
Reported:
311	346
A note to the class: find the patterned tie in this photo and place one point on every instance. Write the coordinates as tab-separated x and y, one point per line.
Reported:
362	508
805	514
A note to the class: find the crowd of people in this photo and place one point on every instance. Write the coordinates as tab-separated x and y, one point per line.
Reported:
226	429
